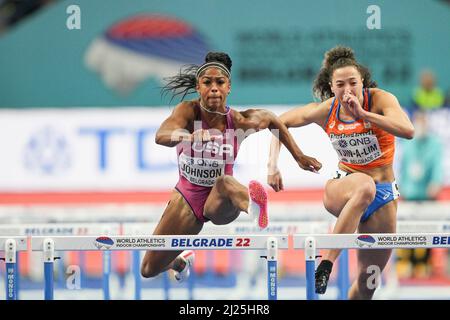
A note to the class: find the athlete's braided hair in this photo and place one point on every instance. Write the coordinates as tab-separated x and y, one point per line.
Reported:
185	82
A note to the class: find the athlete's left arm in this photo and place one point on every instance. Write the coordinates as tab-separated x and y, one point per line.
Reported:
253	120
392	118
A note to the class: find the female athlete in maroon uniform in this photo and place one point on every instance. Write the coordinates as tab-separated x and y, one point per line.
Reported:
207	134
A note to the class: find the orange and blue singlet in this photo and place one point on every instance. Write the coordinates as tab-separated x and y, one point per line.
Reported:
360	145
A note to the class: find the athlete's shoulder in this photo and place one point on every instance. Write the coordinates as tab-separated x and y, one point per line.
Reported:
324	112
248	112
326	104
381	98
379	93
187	104
186	108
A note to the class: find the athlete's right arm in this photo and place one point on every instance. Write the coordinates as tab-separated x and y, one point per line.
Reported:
174	128
301	116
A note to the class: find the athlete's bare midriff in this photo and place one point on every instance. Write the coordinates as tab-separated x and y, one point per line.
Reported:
380	174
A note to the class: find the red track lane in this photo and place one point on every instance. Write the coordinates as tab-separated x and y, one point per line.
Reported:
95	197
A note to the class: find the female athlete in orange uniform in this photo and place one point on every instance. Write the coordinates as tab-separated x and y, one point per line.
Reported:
361	122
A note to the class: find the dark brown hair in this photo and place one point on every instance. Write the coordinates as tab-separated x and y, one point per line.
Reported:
338	57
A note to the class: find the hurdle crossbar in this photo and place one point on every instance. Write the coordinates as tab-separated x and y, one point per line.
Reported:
375	241
182	242
313	242
159	242
67	229
238	228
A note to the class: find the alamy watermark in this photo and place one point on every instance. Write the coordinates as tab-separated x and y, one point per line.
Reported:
374	20
73	21
73	281
373	281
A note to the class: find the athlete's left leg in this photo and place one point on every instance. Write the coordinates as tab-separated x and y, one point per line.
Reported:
373	260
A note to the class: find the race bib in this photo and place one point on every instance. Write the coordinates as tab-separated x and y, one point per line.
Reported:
200	171
356	148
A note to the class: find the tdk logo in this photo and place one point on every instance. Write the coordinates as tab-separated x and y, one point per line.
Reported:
441	240
47	152
203	243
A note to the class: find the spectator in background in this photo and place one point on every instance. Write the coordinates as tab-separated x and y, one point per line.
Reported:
428	96
447	98
421	170
421	176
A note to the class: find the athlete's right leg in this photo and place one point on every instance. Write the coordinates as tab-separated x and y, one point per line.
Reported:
177	218
228	198
347	199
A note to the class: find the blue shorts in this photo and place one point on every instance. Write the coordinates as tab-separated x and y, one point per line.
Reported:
386	192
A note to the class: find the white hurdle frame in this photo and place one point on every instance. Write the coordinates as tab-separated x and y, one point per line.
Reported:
237	228
12	245
312	228
310	243
66	229
161	243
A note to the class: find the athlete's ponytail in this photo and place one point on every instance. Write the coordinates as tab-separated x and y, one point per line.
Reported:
185	82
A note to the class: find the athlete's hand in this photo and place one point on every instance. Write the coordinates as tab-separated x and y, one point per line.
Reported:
352	105
275	180
309	164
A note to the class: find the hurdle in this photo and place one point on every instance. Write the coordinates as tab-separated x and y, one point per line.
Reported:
66	229
403	226
12	245
310	243
239	228
271	243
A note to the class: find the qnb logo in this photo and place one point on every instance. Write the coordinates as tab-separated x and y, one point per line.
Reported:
365	240
47	152
104	243
342	143
143	47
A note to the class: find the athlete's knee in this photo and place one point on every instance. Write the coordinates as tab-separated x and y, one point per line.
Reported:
329	204
224	183
333	201
148	269
365	191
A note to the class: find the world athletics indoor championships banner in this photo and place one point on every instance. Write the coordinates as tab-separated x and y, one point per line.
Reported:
116	52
